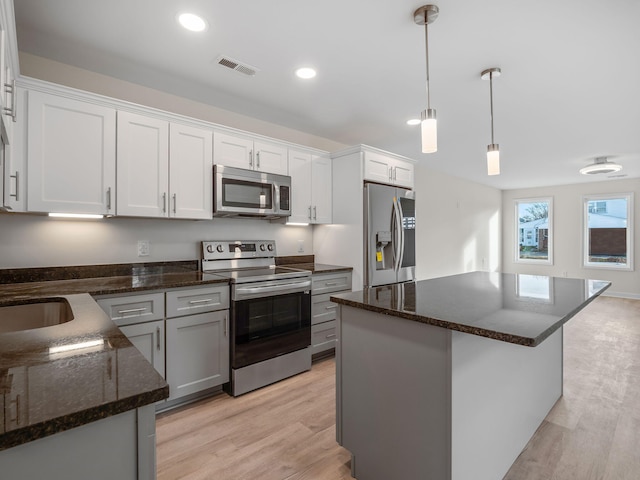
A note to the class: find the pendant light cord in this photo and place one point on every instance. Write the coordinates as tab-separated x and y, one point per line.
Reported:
491	100
426	42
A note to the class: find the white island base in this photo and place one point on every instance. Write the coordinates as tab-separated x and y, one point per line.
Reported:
416	401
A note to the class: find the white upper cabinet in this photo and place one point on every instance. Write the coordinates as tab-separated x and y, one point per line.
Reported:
243	152
311	187
386	169
164	169
71	161
143	166
191	172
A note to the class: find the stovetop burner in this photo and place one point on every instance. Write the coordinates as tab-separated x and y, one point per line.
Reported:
243	261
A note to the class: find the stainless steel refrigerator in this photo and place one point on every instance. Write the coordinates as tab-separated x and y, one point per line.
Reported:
390	235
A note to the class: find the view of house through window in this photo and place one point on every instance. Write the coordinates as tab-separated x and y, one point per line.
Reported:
607	231
533	223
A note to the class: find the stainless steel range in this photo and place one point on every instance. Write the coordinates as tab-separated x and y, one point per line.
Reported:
270	312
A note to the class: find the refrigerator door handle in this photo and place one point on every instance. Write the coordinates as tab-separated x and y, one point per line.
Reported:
401	230
397	232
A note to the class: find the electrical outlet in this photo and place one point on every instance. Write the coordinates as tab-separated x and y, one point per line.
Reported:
143	248
300	246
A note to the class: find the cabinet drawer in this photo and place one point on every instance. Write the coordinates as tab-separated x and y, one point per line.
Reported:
323	337
197	300
322	309
333	282
129	309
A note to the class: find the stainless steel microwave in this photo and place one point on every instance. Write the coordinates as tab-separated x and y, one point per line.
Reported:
240	192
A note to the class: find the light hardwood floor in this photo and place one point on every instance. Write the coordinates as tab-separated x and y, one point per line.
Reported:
287	431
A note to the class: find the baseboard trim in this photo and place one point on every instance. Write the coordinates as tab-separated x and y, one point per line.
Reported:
632	296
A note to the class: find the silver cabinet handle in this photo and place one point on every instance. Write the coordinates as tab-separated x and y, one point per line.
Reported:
11	88
315	212
258	159
158	338
390	173
309	212
175	203
132	310
331	307
251	158
164	202
18	409
206	300
226	320
332	284
16	176
331	335
108	198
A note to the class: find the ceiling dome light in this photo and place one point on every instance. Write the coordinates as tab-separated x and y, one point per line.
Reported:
599	166
192	22
305	72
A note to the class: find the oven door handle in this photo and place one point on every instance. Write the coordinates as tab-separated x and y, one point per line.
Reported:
273	288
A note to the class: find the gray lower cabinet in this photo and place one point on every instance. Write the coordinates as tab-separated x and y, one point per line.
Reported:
197	352
183	333
141	319
148	337
323	311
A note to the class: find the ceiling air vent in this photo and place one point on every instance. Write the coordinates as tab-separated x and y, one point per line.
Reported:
237	66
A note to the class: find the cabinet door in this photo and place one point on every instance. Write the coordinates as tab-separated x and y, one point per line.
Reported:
300	171
14	159
70	155
321	188
271	158
403	174
148	338
191	172
197	352
232	151
377	168
143	166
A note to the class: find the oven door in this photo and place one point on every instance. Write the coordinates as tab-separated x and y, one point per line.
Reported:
270	325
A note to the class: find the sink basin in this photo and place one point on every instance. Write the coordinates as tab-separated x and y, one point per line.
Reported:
14	318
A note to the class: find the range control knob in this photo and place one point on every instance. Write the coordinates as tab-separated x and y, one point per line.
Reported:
210	248
220	248
270	247
262	247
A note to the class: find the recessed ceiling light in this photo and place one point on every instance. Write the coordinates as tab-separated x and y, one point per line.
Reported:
413	121
305	72
192	22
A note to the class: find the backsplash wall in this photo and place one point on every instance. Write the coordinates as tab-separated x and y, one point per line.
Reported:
39	241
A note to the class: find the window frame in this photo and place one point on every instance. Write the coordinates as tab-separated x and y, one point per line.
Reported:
516	243
627	267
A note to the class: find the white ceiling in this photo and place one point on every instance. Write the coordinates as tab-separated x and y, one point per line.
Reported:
569	90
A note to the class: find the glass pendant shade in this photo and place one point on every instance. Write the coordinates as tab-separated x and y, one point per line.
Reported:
493	159
429	127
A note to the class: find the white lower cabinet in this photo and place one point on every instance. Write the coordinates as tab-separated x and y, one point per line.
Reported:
323	311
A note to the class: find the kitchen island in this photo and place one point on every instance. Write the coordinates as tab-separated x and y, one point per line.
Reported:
449	378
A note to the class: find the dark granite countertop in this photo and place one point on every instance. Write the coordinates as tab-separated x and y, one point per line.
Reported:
307	262
514	308
26	284
46	392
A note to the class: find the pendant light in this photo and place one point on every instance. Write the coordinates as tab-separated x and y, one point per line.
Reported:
493	149
424	16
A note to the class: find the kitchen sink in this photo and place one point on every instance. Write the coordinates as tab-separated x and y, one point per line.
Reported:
14	318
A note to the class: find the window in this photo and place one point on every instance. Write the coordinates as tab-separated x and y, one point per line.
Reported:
608	231
534	231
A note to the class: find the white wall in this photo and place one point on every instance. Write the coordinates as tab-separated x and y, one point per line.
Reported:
39	241
567	234
459	225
